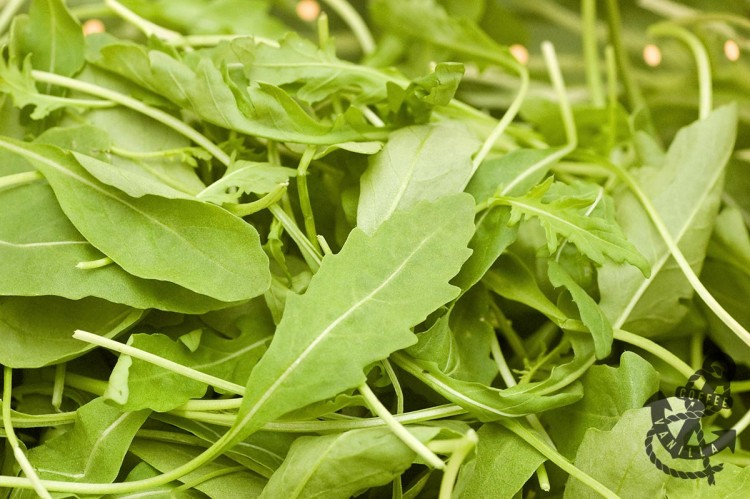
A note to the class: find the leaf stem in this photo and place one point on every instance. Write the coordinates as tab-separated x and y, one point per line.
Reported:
355	22
136	105
656	349
309	252
147	27
505	121
454	464
94	264
557	458
211	405
245	209
396	385
19	179
137	353
701	61
304	196
10	435
8	13
593	73
90	385
398	429
58	388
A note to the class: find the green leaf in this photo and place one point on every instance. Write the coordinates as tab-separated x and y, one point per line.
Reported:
93	449
38	241
195	245
503	464
511	279
136	384
243	178
259	109
37	331
591	315
517	172
598	238
608	392
403	272
685	191
418	163
54	38
629	472
212	478
318	71
343	464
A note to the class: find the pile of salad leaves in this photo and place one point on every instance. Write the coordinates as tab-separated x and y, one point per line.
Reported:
400	248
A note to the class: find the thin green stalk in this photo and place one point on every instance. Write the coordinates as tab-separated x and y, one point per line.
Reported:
41	420
58	388
696	349
186	41
632	91
433	413
304	196
86	384
137	353
506	120
740	386
543	478
609	57
136	105
10	435
590	52
396	386
270	199
172	437
355	22
8	13
147	27
324	33
655	349
19	179
701	61
211	405
674	250
557	458
454	464
309	252
398	429
94	264
742	424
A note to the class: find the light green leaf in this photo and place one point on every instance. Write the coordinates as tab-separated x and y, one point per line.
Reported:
93	449
195	245
38	241
243	178
503	464
686	192
341	465
37	331
511	279
591	315
167	456
328	335
598	238
515	172
136	384
54	38
607	393
418	163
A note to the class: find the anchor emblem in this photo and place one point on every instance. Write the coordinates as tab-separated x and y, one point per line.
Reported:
707	392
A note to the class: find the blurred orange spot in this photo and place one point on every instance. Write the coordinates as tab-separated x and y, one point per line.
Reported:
731	50
308	10
93	26
652	55
520	53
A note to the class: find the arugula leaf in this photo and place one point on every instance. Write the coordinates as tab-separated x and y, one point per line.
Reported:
340	465
405	264
36	330
243	178
418	163
685	191
93	449
135	384
598	238
193	244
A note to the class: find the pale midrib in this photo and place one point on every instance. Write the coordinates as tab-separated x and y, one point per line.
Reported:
318	339
406	180
328	65
661	261
43	244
